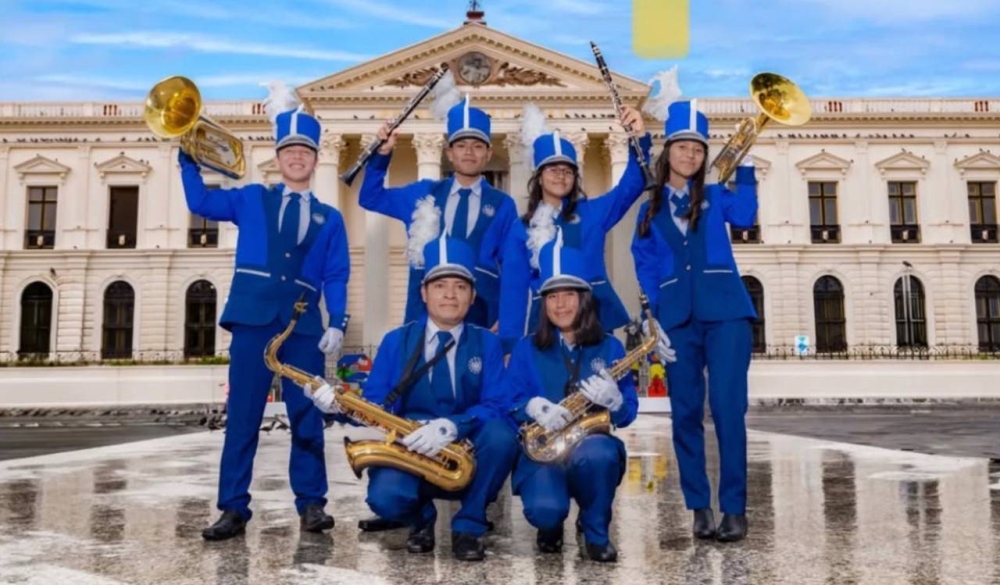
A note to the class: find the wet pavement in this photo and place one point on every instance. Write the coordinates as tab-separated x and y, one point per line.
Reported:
819	512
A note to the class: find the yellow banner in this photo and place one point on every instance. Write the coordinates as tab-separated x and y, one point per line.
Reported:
661	28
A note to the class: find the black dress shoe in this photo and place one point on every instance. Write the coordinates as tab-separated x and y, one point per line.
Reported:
550	541
704	523
421	540
229	525
467	547
602	553
314	519
379	524
732	528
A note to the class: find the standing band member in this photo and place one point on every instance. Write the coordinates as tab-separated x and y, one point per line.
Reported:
447	372
556	200
289	244
684	261
569	347
464	206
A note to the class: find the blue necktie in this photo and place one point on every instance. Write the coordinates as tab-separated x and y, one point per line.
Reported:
441	378
460	223
290	222
682	204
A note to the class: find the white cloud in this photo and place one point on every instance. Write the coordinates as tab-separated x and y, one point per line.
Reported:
896	11
205	44
394	13
578	7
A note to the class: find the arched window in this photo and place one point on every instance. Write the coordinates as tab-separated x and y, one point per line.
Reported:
756	291
36	321
119	308
831	324
911	316
988	313
199	320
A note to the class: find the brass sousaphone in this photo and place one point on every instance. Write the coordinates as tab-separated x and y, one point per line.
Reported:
173	110
778	99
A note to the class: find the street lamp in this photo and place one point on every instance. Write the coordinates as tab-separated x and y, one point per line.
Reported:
907	305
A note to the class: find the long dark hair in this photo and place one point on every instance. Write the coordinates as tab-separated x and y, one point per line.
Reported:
587	328
662	172
535	195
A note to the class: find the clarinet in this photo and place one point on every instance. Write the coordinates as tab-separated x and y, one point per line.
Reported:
348	176
633	140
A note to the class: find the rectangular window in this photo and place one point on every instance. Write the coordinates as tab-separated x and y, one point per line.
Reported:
203	232
823	222
40	232
123	217
983	212
903	221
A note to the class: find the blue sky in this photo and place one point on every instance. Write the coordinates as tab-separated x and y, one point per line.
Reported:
116	49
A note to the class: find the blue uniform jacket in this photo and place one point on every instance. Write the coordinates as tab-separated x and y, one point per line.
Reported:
587	232
268	280
479	394
694	276
532	372
496	215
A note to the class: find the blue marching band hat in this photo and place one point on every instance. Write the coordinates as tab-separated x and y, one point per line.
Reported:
297	127
446	256
553	148
464	121
685	122
561	266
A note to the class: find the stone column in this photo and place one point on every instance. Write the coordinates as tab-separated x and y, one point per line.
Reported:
428	147
376	315
520	170
67	316
6	229
621	267
326	185
579	141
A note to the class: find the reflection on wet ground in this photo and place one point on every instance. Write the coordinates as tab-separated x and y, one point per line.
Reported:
820	512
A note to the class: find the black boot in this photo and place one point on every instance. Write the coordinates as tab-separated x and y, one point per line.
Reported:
378	524
704	523
421	540
229	525
550	541
602	553
314	519
732	528
467	547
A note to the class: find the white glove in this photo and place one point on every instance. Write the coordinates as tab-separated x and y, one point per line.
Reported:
663	349
325	398
432	437
602	390
552	417
331	341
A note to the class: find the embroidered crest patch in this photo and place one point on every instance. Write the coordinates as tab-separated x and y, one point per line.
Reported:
596	365
319	218
489	210
475	365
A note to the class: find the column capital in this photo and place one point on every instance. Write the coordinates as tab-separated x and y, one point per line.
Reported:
514	143
428	146
367	140
617	146
331	146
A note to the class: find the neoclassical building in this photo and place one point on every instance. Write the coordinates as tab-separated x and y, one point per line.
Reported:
877	222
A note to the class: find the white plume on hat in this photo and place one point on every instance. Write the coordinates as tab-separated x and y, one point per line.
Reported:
280	99
444	95
425	227
542	228
656	105
533	125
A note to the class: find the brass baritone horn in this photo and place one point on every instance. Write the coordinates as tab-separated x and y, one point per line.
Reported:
173	110
778	99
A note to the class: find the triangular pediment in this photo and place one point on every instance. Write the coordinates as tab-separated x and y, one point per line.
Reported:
824	161
982	161
493	63
40	165
903	161
270	171
123	165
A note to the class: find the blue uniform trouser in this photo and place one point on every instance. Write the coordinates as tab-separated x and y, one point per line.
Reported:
402	497
724	347
590	475
249	384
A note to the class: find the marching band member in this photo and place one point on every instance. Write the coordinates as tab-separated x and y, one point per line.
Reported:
569	347
464	206
684	262
556	200
448	372
289	243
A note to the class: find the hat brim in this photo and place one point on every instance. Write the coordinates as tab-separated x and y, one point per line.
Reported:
443	270
297	140
687	135
469	133
563	281
557	158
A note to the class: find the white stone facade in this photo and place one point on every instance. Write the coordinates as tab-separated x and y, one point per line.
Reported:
85	149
